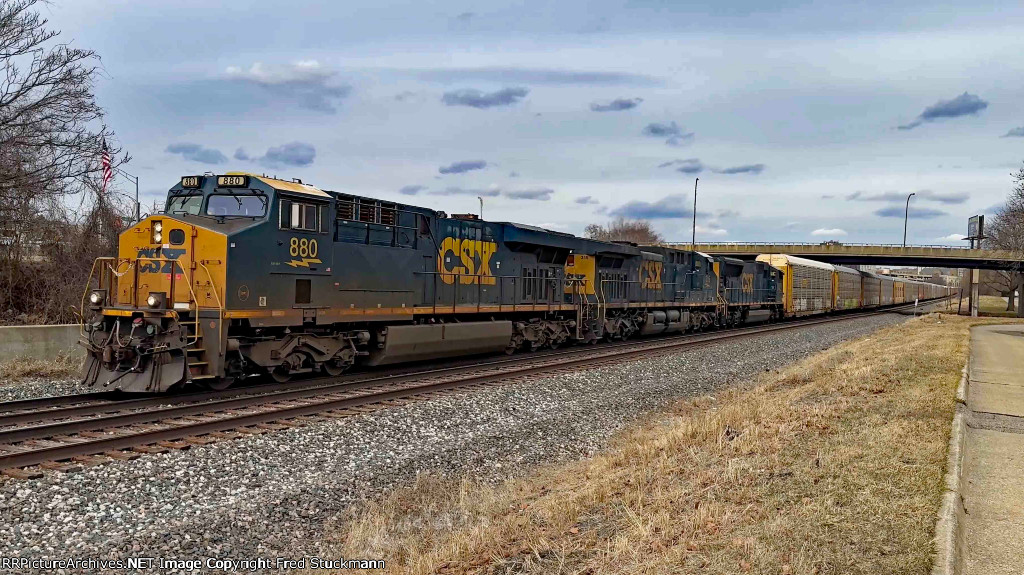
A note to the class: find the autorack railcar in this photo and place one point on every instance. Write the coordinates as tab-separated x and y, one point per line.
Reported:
846	288
807	284
811	287
871	289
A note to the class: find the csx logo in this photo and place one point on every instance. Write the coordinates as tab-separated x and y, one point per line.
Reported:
650	275
152	267
747	281
474	257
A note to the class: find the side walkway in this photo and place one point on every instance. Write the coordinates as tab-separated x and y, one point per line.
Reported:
990	533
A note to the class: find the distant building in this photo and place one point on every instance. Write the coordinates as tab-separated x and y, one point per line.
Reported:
940	276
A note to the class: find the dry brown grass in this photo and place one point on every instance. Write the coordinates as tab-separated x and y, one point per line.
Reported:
832	465
63	365
988	305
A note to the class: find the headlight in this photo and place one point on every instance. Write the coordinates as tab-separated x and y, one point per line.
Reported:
157	300
95	298
154	231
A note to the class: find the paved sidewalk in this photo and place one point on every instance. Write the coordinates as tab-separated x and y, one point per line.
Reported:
992	530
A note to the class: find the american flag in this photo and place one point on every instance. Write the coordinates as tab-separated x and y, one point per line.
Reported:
108	172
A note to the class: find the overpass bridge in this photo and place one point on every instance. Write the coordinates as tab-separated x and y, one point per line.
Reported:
870	254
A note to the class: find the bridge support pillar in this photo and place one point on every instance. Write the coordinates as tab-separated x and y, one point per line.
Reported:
975	276
1020	294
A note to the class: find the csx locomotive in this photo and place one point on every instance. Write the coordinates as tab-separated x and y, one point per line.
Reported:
244	275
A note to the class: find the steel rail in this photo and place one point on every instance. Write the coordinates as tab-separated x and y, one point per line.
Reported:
16	456
108	405
19	405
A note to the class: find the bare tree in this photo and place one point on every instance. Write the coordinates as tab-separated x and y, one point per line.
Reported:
622	230
51	129
1005	231
54	215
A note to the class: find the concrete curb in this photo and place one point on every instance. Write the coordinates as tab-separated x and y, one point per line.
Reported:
949	535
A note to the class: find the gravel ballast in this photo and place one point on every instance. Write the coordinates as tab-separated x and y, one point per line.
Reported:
272	495
33	387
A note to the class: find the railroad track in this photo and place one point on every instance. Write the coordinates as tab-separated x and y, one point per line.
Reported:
85	430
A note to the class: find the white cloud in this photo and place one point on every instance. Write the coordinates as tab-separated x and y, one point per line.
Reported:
306	82
553	226
951	238
711	231
829	232
301	71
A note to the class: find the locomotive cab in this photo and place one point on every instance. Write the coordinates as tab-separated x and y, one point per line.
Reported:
154	316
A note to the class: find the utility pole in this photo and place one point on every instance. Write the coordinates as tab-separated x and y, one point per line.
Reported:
906	215
693	238
136	180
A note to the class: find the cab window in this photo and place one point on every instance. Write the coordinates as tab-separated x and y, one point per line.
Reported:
188	204
242	205
301	216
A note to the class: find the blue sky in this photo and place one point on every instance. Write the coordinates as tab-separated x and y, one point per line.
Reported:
805	121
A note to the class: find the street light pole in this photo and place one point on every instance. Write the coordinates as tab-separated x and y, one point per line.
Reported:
906	215
136	180
693	238
481	206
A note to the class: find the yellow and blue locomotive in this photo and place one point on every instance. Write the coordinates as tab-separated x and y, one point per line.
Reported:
243	274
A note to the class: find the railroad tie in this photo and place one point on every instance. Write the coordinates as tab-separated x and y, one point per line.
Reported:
174	444
41	444
71	439
200	440
123	455
271	426
22	473
64	466
225	435
90	460
150	449
308	419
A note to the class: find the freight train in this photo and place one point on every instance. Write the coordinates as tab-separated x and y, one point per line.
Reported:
244	275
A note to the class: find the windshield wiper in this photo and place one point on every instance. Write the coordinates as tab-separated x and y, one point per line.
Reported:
234	195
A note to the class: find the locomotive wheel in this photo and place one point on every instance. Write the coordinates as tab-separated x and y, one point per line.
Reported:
333	368
220	384
281	374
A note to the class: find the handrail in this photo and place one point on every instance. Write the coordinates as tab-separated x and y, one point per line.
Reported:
134	265
88	288
220	308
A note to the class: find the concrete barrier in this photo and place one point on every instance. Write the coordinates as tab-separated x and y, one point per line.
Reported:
38	341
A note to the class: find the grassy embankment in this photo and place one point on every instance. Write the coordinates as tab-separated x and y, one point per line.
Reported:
832	465
61	366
